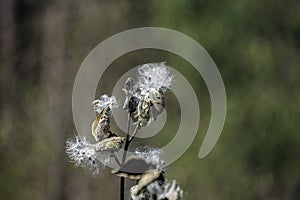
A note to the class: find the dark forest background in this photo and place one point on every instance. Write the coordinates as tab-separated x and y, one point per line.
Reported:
255	44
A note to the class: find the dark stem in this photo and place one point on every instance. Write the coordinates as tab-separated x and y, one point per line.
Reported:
122	188
127	141
134	133
117	160
126	147
122	179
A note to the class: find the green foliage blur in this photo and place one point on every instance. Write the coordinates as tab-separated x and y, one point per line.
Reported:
255	44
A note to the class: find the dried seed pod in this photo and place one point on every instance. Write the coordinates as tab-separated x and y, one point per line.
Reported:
110	144
101	125
103	109
145	97
134	168
146	179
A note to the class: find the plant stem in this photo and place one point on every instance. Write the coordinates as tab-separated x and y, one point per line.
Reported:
122	179
134	133
127	141
122	188
117	160
129	138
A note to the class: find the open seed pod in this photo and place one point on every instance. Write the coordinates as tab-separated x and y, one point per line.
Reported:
134	168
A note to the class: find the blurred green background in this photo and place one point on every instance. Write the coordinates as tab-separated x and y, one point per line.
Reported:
255	44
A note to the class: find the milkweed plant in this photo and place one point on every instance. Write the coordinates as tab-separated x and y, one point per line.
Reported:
145	100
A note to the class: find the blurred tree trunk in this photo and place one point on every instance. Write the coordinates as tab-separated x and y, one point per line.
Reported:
7	100
7	71
53	86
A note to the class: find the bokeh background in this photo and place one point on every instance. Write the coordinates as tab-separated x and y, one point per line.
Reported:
255	44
